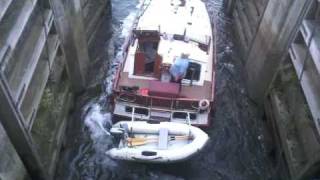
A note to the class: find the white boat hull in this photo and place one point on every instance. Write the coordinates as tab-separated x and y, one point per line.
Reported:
177	150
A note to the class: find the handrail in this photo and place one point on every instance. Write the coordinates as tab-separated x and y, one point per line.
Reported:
158	97
149	101
162	109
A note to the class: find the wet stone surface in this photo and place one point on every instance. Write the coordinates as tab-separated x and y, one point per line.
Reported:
238	145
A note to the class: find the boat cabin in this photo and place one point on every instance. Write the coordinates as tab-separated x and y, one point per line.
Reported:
147	61
169	61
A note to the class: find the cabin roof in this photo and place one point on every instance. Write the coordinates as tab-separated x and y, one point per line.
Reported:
170	49
175	18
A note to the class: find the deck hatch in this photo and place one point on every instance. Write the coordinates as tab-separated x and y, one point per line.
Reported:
148	153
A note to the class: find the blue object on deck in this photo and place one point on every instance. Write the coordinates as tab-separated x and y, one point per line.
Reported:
179	68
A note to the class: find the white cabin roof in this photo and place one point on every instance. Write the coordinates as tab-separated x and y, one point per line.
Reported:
168	17
170	49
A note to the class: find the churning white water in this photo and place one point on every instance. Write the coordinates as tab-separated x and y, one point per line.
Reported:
96	120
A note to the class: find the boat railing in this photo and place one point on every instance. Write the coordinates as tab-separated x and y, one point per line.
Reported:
157	101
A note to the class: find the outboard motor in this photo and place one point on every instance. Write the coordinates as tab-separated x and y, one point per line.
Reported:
118	134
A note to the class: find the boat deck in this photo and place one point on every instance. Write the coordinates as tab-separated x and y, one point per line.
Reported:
191	92
188	20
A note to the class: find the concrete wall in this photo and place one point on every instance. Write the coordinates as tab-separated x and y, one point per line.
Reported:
265	29
247	16
11	166
294	128
77	23
44	62
279	41
297	88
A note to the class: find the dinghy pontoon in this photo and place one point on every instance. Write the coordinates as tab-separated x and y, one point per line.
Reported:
159	143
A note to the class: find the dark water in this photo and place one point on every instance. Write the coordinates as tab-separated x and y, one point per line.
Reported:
237	148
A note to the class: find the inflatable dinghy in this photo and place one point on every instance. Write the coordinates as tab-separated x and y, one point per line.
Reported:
163	142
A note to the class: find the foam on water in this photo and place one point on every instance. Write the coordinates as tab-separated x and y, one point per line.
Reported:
95	119
92	162
127	24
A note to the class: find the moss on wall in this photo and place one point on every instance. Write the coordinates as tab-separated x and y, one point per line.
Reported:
49	125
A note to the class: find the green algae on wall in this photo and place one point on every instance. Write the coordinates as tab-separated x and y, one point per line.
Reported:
50	122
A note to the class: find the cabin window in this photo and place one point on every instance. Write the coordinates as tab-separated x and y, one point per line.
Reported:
180	115
138	111
193	71
128	109
141	111
184	115
193	116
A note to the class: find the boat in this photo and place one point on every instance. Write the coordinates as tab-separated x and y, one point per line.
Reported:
165	142
168	68
163	91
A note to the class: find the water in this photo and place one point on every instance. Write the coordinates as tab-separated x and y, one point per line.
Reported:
236	149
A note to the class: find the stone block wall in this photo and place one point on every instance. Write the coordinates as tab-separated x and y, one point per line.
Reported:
264	30
44	63
280	52
11	166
